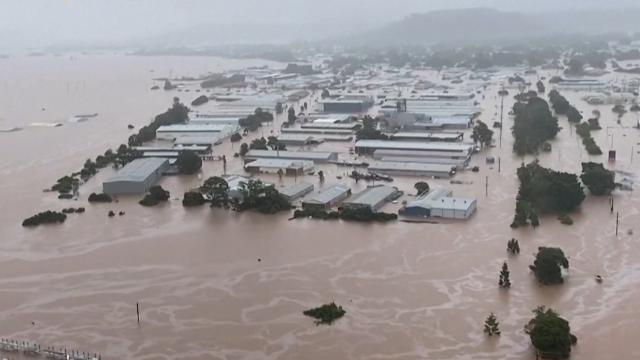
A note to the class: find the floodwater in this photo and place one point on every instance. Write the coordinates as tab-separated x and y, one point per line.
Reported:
214	284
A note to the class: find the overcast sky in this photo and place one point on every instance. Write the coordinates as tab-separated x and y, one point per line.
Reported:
35	23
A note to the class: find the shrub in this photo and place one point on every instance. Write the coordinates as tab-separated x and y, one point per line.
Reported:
149	200
326	314
100	198
192	198
45	217
565	219
236	137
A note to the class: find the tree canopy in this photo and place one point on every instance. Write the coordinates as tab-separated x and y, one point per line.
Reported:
547	265
550	334
597	179
545	190
482	134
533	125
188	162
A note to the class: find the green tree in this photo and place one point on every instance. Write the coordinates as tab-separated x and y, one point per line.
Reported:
513	246
533	125
482	134
216	189
597	179
321	176
504	280
550	334
491	325
188	162
421	187
274	144
540	87
325	94
291	116
244	149
259	144
548	265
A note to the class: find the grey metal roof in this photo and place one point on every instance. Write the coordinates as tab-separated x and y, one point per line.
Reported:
410	166
295	155
329	194
314	125
410	145
441	198
192	128
280	164
427	135
295	189
139	169
372	195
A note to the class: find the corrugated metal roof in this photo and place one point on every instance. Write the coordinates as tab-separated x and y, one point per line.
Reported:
280	163
372	195
139	169
329	194
441	198
192	128
295	189
410	166
410	145
295	155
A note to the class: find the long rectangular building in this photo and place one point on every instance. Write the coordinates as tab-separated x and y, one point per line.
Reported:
315	156
369	146
136	177
170	132
372	198
317	131
327	198
427	136
287	166
333	126
295	191
412	169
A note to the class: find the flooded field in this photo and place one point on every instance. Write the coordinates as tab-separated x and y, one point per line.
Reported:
214	284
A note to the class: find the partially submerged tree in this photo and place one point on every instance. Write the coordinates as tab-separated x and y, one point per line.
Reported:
513	247
421	187
504	280
597	179
550	334
188	162
548	265
491	325
482	134
326	314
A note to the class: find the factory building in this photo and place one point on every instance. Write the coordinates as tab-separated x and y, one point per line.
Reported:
331	126
171	132
439	203
427	136
287	166
372	198
299	139
136	177
317	131
328	198
296	191
412	169
315	156
369	146
347	104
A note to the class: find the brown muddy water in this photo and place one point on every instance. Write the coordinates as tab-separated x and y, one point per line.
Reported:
411	291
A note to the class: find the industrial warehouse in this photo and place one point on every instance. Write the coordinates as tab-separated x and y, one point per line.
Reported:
327	198
315	156
372	198
440	203
296	191
136	177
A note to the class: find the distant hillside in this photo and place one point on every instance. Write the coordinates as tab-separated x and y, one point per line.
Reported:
488	25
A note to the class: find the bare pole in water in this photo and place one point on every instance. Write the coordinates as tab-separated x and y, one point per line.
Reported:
138	312
486	187
617	222
501	113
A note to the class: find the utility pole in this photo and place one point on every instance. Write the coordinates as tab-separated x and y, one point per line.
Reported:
617	222
498	163
501	115
486	187
138	312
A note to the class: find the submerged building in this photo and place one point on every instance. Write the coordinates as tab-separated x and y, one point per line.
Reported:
136	177
439	202
372	198
296	191
328	198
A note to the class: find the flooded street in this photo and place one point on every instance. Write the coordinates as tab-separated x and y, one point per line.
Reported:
214	284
